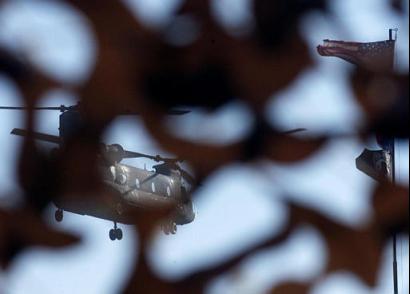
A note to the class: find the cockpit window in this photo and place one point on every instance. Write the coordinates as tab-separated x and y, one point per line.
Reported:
153	187
168	191
137	183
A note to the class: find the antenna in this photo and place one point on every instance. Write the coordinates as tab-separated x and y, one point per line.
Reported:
393	179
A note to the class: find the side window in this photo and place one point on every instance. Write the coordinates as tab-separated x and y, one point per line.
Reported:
153	187
122	178
137	183
112	171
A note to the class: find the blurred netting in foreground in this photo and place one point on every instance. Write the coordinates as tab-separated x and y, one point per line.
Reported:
195	62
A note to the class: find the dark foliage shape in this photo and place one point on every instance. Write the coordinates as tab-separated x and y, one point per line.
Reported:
276	21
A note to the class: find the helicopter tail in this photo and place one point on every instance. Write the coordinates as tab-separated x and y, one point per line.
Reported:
37	136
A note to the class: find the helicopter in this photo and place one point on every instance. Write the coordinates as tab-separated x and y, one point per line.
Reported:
132	188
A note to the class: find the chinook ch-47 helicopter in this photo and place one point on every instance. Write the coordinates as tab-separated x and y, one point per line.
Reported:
134	188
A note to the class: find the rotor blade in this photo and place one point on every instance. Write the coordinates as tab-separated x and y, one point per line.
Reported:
127	111
178	112
131	154
60	108
171	162
23	108
294	131
38	136
64	108
157	158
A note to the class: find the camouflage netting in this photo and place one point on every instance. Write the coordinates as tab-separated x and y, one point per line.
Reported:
148	73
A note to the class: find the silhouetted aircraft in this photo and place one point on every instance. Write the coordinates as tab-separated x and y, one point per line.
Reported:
131	188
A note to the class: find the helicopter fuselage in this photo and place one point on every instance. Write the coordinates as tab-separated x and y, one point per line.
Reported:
129	189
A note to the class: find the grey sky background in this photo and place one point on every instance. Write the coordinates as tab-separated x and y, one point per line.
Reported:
239	205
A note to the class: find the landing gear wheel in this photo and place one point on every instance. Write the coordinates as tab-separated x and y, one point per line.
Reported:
58	215
118	234
112	235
